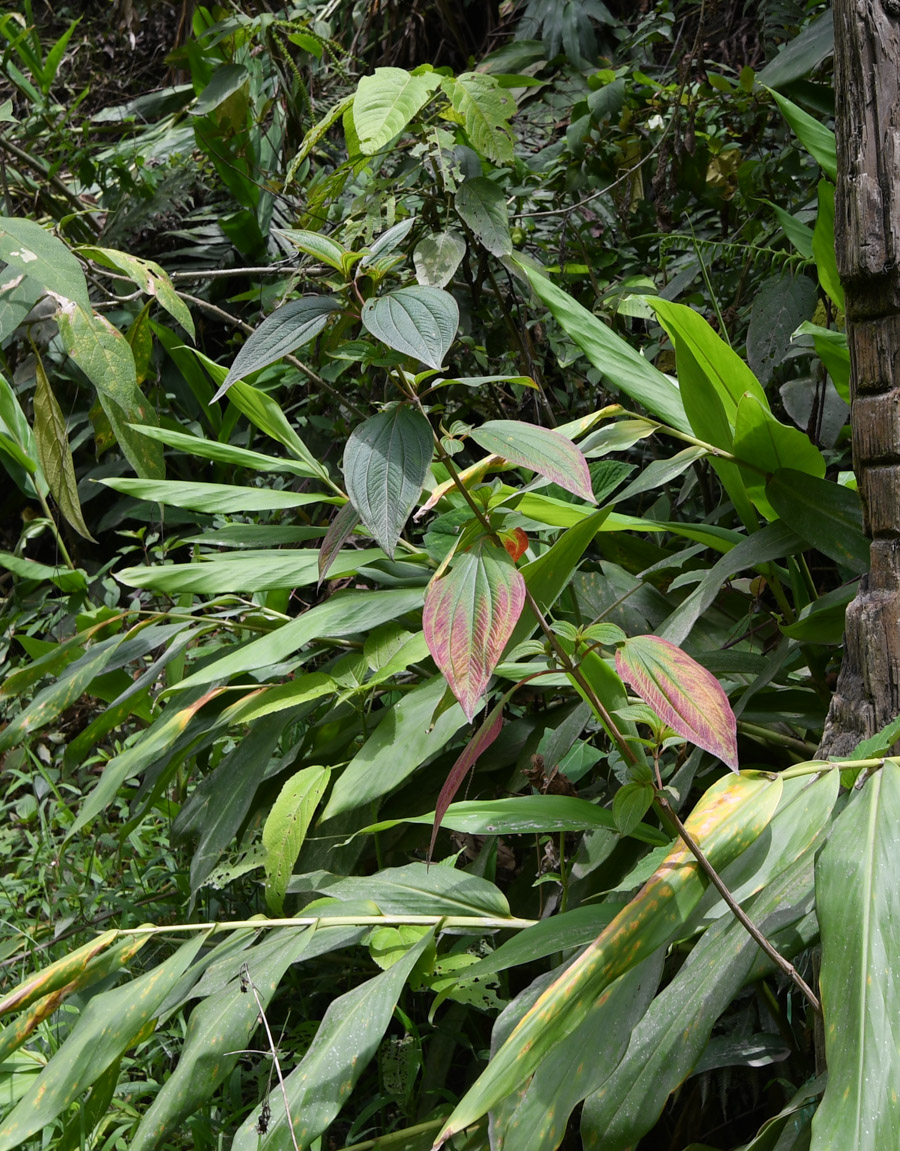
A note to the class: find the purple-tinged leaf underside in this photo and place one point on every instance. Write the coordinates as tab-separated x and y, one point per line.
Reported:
683	694
339	531
542	450
469	615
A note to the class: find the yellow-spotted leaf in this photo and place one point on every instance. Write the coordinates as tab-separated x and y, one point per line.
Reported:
683	694
470	613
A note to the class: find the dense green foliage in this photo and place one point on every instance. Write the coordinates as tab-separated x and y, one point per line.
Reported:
355	519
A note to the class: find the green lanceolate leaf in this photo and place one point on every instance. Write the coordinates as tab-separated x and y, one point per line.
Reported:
541	449
214	498
727	820
386	461
285	829
826	515
348	1037
285	330
481	204
770	445
823	245
815	137
317	245
683	694
858	904
149	277
437	257
37	253
415	889
469	616
385	102
420	322
53	451
108	1026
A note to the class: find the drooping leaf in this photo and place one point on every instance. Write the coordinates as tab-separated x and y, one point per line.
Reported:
149	277
285	829
223	453
108	1026
285	330
731	815
541	449
339	531
481	204
386	461
214	498
37	253
385	102
815	137
684	695
858	904
437	257
317	245
823	245
800	56
469	616
485	109
55	455
347	1038
827	515
420	322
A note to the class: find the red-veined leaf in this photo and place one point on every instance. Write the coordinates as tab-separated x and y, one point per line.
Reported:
469	616
684	695
479	743
540	449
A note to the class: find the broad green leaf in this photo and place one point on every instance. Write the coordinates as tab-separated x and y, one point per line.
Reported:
858	905
347	1038
823	245
540	449
825	514
770	445
345	613
108	1026
437	257
469	616
782	303
815	137
214	498
386	461
687	697
630	804
624	368
404	739
18	295
218	1032
52	444
285	829
245	571
149	277
285	330
414	889
35	252
105	357
481	205
317	245
525	815
485	109
385	102
727	820
420	322
223	453
799	234
64	578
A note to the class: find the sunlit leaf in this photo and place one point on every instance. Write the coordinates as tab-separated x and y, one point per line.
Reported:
385	102
36	252
683	694
285	829
540	449
420	322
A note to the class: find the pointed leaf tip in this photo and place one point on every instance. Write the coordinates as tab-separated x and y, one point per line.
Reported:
685	695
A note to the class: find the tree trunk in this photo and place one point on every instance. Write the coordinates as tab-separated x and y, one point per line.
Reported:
867	238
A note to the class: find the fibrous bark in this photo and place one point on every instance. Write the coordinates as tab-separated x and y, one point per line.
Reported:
867	239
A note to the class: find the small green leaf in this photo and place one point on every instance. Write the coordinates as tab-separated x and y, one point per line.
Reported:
482	206
54	453
386	461
682	693
541	449
317	245
285	330
469	616
630	804
420	322
285	829
386	102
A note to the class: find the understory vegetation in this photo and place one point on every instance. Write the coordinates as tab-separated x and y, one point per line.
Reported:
428	528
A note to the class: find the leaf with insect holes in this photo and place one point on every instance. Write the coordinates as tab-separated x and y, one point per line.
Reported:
386	461
543	451
684	695
420	322
469	615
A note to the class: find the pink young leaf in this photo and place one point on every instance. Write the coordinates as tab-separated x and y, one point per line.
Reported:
479	743
682	693
469	615
544	451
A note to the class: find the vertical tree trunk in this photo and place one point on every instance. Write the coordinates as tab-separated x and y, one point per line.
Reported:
867	237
